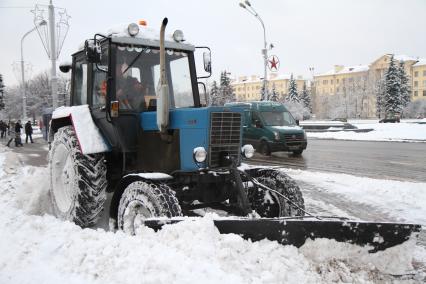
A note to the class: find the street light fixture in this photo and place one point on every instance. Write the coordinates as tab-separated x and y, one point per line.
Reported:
249	8
24	88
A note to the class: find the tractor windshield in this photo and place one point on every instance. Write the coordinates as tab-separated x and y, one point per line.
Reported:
137	73
278	118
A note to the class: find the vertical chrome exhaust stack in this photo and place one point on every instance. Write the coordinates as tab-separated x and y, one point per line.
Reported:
163	99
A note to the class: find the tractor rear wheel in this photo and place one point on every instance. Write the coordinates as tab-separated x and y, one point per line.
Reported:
146	199
77	181
270	204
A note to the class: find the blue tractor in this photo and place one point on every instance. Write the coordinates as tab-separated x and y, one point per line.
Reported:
138	142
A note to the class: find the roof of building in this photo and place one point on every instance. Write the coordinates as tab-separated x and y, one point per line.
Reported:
256	79
403	57
346	70
421	62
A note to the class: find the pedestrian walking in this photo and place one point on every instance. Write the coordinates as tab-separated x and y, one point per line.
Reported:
18	128
28	132
3	128
10	125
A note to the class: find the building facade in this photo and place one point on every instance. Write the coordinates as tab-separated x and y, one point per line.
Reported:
419	80
247	88
351	91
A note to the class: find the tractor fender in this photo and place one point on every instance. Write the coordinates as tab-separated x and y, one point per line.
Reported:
90	138
121	186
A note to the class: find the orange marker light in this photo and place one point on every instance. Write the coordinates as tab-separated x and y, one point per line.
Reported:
142	23
114	108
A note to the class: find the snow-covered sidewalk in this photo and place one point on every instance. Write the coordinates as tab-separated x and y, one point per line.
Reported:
406	131
38	248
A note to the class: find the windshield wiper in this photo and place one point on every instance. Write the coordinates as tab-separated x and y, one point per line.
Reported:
134	60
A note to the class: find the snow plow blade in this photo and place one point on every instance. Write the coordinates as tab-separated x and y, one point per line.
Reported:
377	236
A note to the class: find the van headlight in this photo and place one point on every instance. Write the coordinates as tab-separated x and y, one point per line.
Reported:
200	154
247	151
277	135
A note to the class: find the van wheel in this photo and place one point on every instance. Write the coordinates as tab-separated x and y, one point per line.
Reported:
264	148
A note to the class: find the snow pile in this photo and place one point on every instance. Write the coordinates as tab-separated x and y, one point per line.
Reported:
89	137
405	201
43	249
401	132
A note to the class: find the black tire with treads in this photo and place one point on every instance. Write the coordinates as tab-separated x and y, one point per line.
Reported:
89	182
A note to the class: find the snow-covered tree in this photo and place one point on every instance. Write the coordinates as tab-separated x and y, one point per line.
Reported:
404	87
226	90
214	94
224	93
416	109
1	92
292	91
38	96
274	94
380	96
392	98
305	98
263	93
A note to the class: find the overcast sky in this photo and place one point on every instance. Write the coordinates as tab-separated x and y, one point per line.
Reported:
306	33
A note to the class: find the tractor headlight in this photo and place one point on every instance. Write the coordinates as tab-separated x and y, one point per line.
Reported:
178	36
133	29
247	151
200	154
276	135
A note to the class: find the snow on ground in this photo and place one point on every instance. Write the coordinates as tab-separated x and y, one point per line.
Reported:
405	201
38	248
406	131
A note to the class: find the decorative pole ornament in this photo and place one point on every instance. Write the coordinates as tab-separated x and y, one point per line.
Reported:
52	37
273	63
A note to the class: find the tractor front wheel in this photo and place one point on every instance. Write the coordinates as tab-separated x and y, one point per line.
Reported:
77	181
272	204
145	199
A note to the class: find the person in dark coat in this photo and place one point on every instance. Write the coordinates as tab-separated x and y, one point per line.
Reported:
28	132
3	128
18	128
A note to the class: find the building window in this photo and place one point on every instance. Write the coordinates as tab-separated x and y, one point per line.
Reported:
424	73
337	81
331	81
325	82
337	89
415	93
424	93
416	74
416	83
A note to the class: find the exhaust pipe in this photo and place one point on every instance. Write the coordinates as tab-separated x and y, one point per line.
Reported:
163	99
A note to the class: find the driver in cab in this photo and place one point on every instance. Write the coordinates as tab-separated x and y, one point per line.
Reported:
129	89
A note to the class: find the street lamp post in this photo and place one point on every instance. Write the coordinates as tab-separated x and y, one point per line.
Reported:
249	8
24	88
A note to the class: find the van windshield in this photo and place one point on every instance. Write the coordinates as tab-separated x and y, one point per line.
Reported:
278	118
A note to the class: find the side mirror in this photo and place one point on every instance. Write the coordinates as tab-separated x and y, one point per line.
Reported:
65	67
297	121
207	62
93	51
258	124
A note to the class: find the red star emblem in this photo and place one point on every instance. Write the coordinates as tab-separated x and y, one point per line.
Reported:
274	63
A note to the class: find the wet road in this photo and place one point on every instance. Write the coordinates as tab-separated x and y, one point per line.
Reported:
384	160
